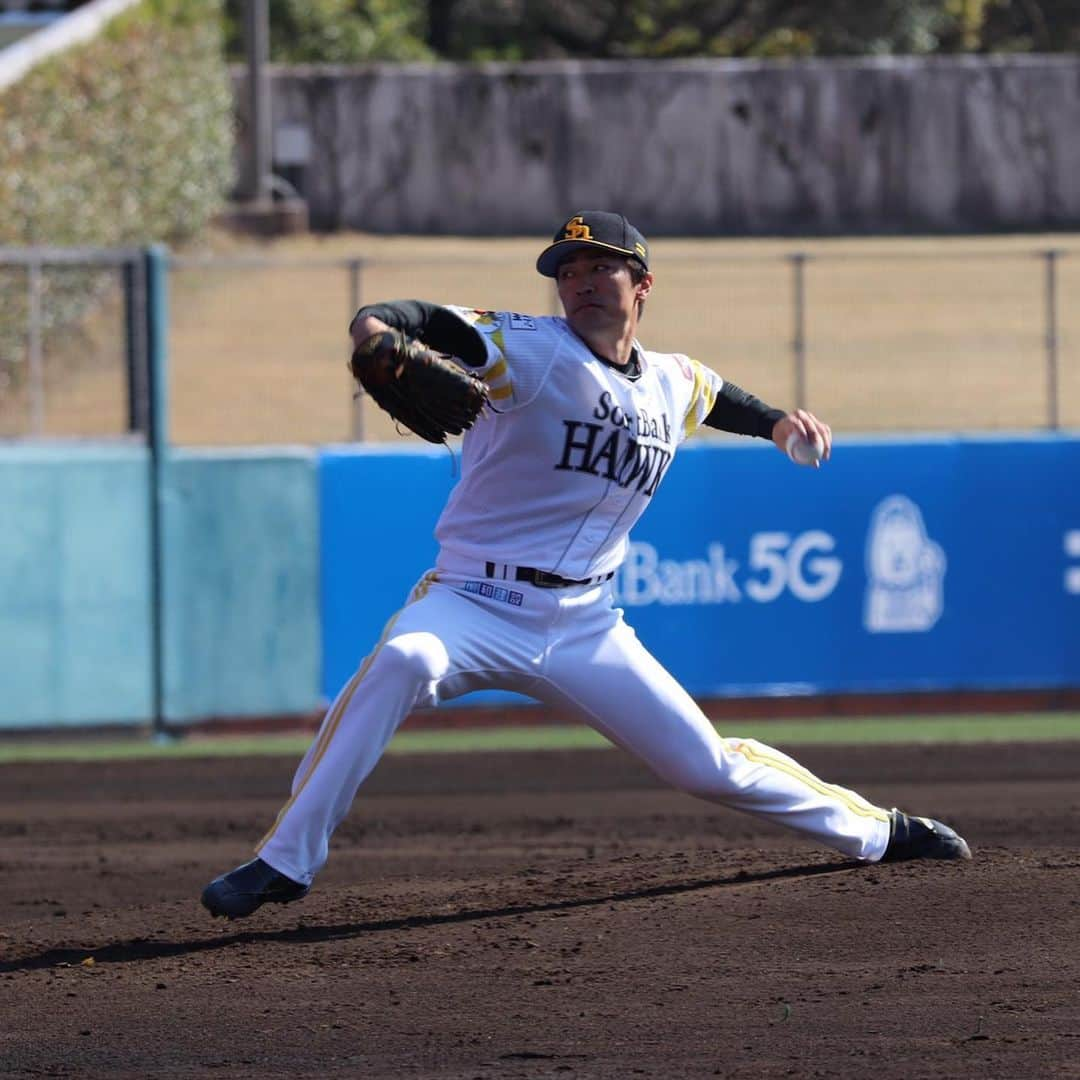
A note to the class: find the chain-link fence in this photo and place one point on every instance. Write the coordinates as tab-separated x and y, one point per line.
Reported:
945	337
72	343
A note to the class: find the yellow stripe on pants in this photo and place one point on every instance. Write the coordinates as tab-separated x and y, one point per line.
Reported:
333	721
853	802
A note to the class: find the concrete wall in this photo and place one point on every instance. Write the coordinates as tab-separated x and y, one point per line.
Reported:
241	630
689	147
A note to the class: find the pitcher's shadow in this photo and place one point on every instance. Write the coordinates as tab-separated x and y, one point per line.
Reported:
125	952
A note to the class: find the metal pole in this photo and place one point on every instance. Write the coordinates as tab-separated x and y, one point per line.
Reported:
257	44
138	389
1053	371
132	323
798	338
156	325
355	269
35	359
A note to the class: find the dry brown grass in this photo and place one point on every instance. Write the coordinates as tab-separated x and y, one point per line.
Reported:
902	334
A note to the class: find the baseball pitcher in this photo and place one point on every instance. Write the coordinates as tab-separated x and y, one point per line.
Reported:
570	426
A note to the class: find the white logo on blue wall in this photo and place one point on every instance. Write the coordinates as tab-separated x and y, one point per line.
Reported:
905	570
801	564
1072	551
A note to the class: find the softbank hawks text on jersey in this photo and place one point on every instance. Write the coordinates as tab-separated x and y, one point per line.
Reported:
631	450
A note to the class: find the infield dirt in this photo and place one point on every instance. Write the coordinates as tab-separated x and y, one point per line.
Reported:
541	914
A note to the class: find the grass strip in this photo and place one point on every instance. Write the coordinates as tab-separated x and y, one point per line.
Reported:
974	728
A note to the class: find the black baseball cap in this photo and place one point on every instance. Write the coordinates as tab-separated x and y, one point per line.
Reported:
589	229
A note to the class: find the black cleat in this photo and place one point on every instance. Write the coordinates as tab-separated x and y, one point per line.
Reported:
923	838
248	887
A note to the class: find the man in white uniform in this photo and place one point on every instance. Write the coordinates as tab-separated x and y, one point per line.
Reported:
583	424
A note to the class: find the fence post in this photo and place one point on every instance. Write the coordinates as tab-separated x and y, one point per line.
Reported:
798	337
138	389
356	269
1053	373
35	359
156	271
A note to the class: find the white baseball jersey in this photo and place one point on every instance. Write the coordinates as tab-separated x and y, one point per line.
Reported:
561	469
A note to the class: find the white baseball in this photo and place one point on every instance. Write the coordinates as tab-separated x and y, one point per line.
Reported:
804	452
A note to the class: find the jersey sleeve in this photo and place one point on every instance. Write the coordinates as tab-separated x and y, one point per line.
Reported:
519	350
705	385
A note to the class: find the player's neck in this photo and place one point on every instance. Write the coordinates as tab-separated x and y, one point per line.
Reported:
614	347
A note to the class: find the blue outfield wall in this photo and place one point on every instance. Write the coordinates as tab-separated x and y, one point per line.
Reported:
241	583
378	508
75	641
901	565
241	632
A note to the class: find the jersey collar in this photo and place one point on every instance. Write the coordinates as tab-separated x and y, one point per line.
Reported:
632	370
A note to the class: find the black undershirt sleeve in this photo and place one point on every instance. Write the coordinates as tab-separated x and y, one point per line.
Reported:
431	324
740	412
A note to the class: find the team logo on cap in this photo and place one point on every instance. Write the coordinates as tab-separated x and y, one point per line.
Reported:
640	249
576	229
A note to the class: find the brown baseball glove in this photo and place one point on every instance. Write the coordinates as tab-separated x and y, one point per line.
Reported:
418	387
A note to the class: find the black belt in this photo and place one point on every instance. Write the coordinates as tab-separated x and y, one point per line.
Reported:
540	578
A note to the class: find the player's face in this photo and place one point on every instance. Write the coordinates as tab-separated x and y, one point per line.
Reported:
597	292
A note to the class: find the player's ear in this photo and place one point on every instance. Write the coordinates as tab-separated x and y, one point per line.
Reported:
644	286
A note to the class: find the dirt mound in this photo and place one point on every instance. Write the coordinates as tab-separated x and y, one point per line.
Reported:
534	915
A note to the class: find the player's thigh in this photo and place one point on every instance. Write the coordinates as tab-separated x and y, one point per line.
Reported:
449	643
424	637
623	691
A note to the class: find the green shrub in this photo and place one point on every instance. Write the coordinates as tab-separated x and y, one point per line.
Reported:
126	140
335	31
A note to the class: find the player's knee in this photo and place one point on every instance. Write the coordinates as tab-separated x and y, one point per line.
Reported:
700	787
704	778
417	657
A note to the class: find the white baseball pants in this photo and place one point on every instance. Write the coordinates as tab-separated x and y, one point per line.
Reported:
568	647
